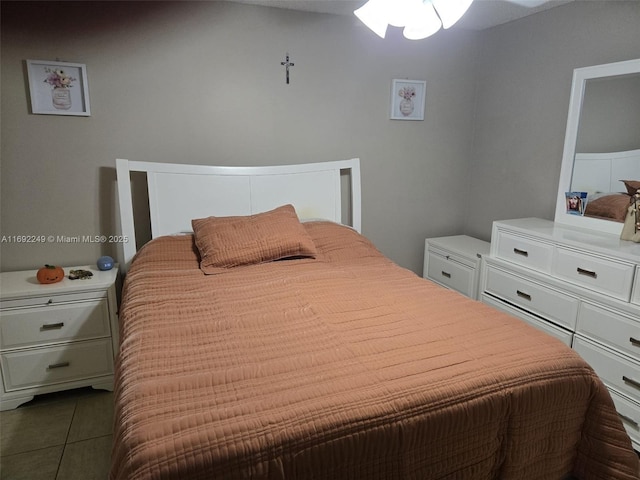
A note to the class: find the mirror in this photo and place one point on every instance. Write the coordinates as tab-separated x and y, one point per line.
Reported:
602	142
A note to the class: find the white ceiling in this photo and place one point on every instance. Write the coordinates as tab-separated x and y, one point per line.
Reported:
482	13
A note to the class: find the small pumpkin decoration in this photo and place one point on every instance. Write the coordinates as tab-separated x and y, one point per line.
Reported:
50	274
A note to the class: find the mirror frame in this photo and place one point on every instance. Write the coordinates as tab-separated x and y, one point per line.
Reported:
580	77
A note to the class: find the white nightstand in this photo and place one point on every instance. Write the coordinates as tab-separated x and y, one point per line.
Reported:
58	336
455	262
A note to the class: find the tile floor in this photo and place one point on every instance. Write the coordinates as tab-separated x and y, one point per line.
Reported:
59	436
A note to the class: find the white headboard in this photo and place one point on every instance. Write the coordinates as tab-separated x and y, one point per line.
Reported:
179	193
602	172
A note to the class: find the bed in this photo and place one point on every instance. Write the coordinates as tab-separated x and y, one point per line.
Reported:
278	343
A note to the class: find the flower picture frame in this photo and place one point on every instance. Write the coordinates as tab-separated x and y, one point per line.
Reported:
58	88
408	99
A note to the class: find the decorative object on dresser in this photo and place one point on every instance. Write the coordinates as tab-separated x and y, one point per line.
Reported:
631	227
57	336
105	263
580	286
455	262
49	274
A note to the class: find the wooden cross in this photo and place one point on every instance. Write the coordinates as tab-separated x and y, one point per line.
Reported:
287	64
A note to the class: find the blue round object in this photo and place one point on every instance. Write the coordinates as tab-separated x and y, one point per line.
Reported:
105	263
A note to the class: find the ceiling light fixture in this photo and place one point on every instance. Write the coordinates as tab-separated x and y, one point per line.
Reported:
420	18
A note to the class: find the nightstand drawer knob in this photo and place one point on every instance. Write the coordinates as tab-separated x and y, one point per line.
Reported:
50	302
518	251
634	341
446	274
52	326
58	365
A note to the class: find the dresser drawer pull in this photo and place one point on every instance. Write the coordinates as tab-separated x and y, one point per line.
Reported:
58	365
517	251
628	420
526	296
588	273
446	274
631	381
50	302
634	341
52	326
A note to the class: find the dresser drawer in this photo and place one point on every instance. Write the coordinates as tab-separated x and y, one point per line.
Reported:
616	371
630	414
46	366
619	331
533	297
635	294
606	276
451	273
564	336
49	300
525	251
60	322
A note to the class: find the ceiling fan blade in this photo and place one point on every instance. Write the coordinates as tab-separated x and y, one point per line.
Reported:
528	3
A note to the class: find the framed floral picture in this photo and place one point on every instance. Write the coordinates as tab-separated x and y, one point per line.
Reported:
58	88
407	99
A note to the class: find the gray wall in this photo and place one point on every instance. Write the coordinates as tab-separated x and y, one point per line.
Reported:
201	82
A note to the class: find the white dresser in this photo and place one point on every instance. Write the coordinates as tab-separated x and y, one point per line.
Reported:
582	287
455	262
56	337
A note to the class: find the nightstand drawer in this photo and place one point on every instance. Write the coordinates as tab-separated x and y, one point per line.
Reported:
616	330
533	297
617	372
451	273
469	261
528	252
602	275
46	366
53	299
630	414
40	325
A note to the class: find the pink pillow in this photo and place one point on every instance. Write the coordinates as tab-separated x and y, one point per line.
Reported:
227	242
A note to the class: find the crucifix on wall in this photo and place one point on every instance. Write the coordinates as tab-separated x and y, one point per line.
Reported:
287	64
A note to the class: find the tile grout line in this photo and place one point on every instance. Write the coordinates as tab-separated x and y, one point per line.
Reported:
30	451
66	438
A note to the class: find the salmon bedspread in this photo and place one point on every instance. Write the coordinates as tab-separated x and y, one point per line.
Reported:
344	366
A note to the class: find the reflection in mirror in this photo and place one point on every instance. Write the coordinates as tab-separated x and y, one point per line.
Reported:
610	116
602	145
